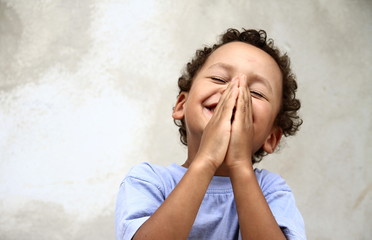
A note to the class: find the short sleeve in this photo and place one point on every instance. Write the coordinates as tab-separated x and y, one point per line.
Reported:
282	204
140	194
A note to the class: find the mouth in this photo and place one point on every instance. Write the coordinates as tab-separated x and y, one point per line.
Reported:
211	108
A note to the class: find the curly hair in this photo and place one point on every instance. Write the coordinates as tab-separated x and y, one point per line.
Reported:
287	119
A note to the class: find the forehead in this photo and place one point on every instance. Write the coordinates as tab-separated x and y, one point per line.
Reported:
243	56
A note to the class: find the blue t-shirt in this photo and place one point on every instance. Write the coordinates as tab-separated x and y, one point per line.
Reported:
147	185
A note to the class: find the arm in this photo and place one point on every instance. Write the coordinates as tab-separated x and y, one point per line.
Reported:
175	217
255	218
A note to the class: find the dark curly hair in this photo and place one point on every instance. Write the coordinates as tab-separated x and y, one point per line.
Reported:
287	118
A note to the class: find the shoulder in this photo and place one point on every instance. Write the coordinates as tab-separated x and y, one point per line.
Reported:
270	182
144	170
163	178
281	201
141	192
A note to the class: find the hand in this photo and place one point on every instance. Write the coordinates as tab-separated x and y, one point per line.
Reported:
216	135
241	140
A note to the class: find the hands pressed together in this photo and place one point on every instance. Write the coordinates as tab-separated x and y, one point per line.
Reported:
228	137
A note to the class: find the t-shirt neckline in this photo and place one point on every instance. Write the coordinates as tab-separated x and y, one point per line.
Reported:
218	184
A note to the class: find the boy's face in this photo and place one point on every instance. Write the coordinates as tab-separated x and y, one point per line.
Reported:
228	61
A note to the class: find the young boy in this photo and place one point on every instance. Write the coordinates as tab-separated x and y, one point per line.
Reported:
236	100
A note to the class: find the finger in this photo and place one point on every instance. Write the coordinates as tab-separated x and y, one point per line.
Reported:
248	106
227	101
241	106
240	109
228	106
227	93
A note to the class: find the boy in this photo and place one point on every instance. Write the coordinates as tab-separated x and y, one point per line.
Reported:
236	100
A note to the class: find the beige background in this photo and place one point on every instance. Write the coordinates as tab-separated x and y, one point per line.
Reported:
87	89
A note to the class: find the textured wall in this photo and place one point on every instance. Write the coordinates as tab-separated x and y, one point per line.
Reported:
87	88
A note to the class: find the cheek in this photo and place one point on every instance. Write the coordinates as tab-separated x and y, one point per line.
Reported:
262	113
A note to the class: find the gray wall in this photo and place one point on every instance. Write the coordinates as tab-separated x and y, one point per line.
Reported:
87	89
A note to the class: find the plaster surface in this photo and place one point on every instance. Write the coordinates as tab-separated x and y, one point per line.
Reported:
87	89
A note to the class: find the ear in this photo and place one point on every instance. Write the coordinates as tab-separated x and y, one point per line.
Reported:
179	108
272	140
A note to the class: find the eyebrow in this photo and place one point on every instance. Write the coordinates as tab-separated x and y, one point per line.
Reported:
230	68
222	65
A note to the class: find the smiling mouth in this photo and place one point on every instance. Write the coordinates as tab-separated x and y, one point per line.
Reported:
213	107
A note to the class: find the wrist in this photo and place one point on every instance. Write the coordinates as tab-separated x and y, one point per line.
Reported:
241	168
204	165
235	162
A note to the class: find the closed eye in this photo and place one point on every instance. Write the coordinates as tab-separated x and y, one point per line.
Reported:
218	80
257	94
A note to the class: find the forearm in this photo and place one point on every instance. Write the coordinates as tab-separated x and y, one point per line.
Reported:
175	217
255	218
